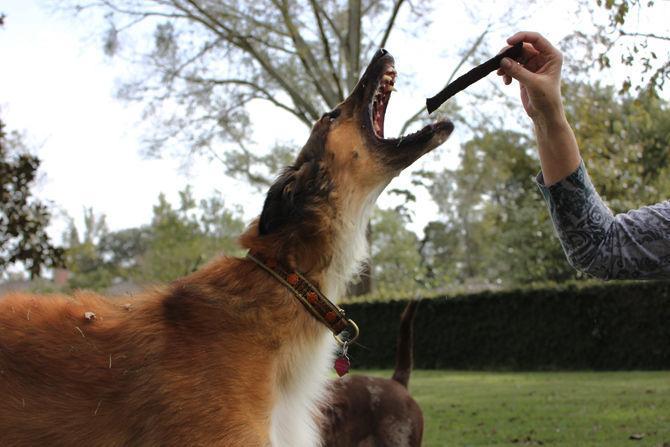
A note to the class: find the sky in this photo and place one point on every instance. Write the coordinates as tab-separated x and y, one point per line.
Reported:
57	87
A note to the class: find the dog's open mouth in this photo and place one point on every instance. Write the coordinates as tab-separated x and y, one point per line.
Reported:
383	75
380	100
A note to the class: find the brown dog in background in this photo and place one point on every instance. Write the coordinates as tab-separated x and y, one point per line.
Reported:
226	356
369	411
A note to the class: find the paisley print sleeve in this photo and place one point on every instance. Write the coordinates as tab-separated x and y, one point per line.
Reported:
632	245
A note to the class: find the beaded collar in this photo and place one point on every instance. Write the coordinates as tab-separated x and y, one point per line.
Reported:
332	316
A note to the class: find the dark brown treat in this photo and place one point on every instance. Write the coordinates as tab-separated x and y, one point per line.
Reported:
472	76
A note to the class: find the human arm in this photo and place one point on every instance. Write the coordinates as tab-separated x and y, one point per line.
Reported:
540	89
630	245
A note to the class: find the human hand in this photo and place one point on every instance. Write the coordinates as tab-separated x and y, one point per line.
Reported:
538	73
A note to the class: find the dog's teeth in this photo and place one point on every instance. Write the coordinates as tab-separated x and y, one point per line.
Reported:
387	78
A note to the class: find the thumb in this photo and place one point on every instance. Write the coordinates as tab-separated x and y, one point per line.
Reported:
517	71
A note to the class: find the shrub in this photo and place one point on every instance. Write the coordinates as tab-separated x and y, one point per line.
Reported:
610	326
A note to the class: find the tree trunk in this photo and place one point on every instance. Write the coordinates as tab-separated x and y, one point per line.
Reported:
353	44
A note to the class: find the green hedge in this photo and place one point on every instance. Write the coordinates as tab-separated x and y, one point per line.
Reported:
604	327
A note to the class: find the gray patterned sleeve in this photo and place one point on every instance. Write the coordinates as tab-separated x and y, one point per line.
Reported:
631	245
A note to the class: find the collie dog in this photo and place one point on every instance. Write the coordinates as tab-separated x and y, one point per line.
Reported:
226	356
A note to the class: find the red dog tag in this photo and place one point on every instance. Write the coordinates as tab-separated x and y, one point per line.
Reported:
342	363
342	366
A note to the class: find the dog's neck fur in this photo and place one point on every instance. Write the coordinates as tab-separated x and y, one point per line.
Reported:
349	246
331	257
330	260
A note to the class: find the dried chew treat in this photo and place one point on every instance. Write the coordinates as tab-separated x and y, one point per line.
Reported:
472	76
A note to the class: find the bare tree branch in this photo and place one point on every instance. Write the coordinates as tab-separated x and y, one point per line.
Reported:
264	92
242	42
353	46
271	45
312	67
648	35
389	27
333	27
326	50
131	12
205	49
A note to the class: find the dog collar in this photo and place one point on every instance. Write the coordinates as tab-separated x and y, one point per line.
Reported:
314	301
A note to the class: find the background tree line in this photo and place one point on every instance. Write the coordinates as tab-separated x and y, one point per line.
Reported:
179	239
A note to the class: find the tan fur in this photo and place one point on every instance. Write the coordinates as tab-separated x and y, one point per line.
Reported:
208	378
226	356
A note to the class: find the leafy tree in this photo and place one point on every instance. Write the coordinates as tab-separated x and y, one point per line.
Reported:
183	238
23	218
645	51
625	141
125	249
177	241
495	228
83	255
395	253
175	248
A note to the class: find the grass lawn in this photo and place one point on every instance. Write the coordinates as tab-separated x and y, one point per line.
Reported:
547	408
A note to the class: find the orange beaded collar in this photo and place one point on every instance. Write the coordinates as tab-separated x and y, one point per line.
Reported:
314	301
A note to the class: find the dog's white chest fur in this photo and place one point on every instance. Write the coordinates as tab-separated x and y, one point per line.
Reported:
293	417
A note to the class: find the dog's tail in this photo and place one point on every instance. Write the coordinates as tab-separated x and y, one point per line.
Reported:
404	357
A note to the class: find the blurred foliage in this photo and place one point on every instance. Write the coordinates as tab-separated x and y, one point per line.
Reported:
184	238
495	229
23	218
625	142
178	240
84	257
645	52
396	260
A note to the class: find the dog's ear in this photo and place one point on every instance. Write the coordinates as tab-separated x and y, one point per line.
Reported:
277	206
289	198
300	186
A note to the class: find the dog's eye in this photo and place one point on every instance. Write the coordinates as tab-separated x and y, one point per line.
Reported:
332	115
